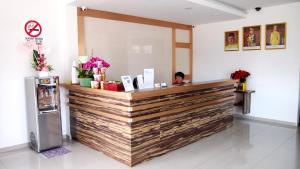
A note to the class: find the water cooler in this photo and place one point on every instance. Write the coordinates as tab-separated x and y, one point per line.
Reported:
43	113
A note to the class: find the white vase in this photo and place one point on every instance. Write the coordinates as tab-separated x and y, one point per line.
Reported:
74	73
42	73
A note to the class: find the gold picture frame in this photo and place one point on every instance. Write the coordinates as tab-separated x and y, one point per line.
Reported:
275	36
231	41
252	37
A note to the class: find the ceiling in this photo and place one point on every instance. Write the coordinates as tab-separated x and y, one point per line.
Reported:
250	4
191	12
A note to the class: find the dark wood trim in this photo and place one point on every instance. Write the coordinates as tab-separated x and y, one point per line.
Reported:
183	45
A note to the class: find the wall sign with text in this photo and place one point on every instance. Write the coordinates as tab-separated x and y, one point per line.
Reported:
33	30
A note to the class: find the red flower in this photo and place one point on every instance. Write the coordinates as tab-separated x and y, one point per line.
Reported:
237	75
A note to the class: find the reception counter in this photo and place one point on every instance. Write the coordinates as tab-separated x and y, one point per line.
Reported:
135	126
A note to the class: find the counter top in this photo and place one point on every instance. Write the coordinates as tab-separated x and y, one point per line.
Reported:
132	127
136	94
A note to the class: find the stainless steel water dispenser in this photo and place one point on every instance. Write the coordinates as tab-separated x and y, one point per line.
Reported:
43	113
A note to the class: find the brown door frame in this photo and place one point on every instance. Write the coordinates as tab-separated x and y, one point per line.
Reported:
189	46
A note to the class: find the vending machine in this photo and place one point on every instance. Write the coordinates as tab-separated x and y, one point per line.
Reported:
43	113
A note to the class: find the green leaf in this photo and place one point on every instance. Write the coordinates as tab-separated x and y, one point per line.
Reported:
50	68
84	73
35	56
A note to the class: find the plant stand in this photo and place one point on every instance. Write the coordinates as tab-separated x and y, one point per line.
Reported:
245	100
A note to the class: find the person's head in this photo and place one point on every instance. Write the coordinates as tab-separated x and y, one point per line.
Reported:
275	28
251	30
231	38
179	77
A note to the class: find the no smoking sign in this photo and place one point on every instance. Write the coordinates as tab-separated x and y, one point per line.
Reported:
33	28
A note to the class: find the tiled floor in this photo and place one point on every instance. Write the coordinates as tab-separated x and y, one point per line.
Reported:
247	145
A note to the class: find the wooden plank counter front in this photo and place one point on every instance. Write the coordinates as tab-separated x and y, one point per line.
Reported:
136	126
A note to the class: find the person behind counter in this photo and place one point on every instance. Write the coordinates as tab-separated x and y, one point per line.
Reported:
179	77
135	83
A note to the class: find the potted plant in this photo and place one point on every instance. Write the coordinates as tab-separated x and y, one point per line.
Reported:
85	70
241	75
40	65
85	75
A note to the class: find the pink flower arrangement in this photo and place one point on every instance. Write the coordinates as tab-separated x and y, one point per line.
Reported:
85	69
95	62
88	65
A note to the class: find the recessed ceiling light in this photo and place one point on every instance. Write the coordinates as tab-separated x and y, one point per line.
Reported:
188	8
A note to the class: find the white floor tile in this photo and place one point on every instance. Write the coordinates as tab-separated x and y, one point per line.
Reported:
244	153
287	156
1	166
246	145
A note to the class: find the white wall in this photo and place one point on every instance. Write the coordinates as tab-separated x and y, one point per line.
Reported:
59	33
59	22
130	47
274	73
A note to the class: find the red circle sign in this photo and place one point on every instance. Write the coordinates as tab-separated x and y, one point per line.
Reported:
33	28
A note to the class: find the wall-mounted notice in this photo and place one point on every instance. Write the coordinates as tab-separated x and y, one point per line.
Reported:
148	78
127	82
33	28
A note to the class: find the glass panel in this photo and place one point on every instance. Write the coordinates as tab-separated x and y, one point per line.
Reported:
131	49
182	36
47	94
182	60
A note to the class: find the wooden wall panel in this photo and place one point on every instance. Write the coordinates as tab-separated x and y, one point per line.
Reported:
191	55
81	37
189	46
139	20
173	53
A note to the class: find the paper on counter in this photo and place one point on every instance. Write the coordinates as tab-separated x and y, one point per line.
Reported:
140	81
127	82
148	78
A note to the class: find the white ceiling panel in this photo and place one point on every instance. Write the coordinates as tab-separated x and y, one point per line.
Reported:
191	12
251	4
181	11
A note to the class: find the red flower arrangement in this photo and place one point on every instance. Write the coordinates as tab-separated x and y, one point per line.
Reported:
240	75
39	62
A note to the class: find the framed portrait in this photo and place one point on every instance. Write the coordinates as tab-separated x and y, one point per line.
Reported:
231	41
252	37
276	36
